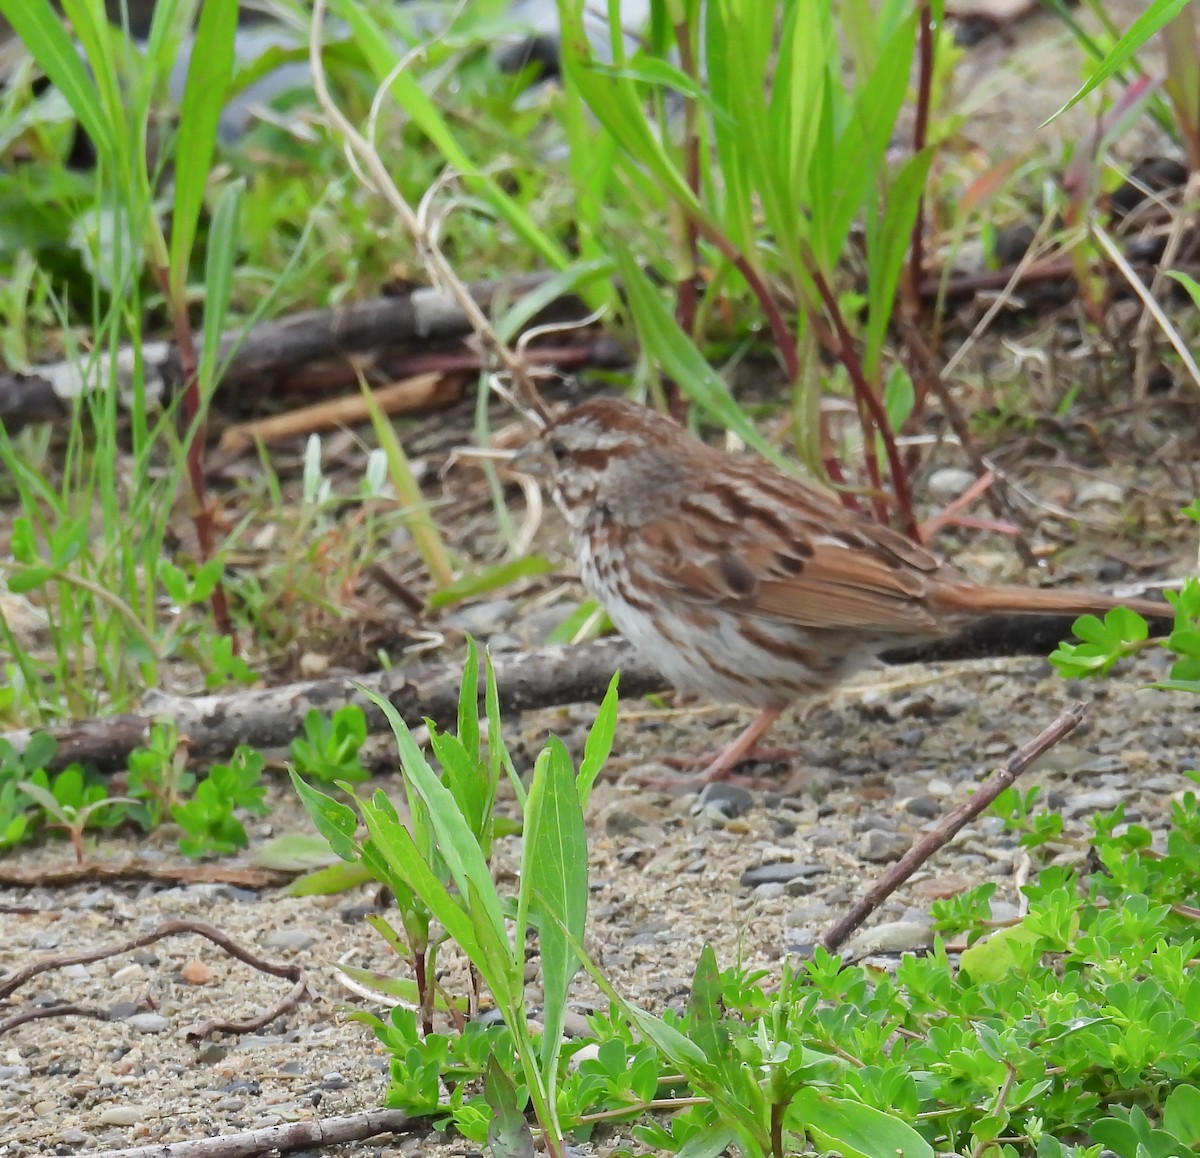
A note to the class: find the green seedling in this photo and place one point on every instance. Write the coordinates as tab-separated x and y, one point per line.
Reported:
329	748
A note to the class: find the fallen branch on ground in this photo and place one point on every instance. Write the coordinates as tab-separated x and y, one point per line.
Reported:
15	876
424	315
287	1136
215	725
949	826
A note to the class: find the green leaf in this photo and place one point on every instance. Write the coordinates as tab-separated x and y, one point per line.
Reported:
335	821
209	71
599	742
1002	954
490	579
508	1133
220	264
39	28
554	884
856	1130
1181	1114
460	848
1159	13
468	702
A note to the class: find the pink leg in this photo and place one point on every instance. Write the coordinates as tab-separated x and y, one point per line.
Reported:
732	755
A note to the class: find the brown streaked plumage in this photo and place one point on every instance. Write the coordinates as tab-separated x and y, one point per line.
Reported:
743	584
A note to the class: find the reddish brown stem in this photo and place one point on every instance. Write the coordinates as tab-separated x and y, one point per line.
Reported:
950	825
194	422
865	396
910	291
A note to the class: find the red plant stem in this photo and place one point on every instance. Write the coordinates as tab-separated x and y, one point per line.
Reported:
784	338
916	255
194	422
843	347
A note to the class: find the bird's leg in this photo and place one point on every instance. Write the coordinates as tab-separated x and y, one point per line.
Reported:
736	751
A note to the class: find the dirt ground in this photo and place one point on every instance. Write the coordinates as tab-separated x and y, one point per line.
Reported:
759	875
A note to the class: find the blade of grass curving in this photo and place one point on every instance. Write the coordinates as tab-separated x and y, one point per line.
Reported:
468	700
209	72
1156	16
575	279
888	238
665	342
420	523
616	103
170	23
498	755
41	32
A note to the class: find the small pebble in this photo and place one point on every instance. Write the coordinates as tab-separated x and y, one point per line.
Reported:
729	800
148	1022
778	872
294	939
1098	800
879	846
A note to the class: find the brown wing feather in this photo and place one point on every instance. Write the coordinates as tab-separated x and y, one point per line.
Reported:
856	574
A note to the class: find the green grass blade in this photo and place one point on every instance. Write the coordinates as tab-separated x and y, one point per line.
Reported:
1156	16
209	73
599	742
664	341
41	31
220	264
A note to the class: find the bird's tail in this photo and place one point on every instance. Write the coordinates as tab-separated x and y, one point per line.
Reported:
971	600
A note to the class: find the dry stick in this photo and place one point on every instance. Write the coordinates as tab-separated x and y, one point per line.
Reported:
268	350
66	1009
432	258
300	989
277	1139
949	827
546	677
14	876
419	392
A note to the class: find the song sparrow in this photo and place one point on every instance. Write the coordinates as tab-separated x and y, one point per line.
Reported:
743	584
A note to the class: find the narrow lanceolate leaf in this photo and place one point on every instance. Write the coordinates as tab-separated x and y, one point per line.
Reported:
554	884
666	343
40	30
220	263
599	742
209	72
1156	16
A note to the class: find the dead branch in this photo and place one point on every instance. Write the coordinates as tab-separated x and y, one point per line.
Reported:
14	876
316	1136
215	725
949	826
422	316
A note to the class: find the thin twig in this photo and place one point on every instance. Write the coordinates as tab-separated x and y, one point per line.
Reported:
300	989
316	1136
432	258
949	826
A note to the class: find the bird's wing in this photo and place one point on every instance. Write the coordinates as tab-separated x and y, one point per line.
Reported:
831	570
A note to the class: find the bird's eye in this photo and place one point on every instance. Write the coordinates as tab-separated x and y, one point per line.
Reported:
559	450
